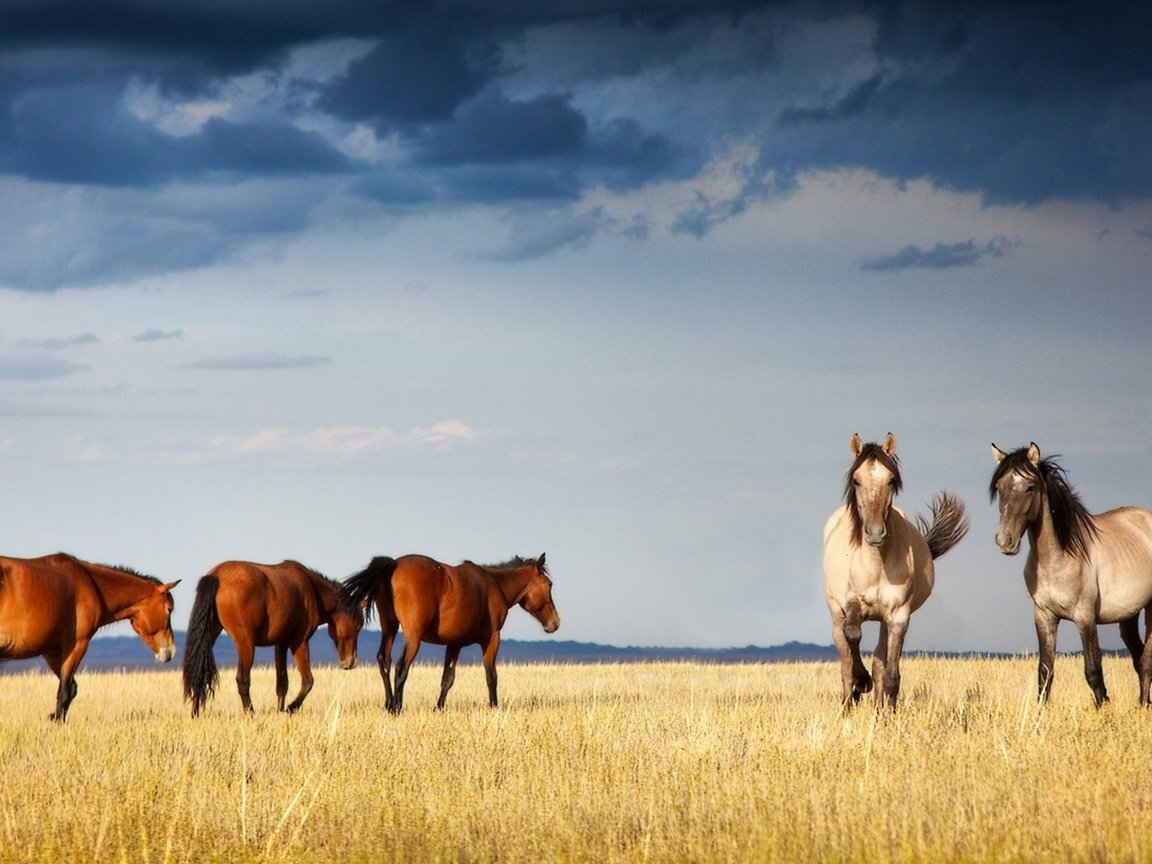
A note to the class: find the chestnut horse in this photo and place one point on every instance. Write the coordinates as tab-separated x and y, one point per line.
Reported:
878	566
1082	568
265	604
52	606
450	606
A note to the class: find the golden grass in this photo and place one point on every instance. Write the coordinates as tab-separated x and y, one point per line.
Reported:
590	763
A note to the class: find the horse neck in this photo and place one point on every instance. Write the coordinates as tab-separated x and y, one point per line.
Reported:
327	592
118	589
1042	536
512	583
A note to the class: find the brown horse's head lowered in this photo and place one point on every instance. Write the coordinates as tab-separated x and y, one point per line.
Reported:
52	606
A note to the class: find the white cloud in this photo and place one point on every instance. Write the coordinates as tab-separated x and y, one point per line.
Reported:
331	445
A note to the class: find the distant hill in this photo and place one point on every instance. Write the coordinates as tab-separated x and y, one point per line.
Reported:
128	652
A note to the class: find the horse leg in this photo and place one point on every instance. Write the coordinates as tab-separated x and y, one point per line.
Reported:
66	689
384	662
451	655
303	658
846	635
245	656
411	646
1046	624
281	653
1093	668
893	632
1130	633
1145	666
880	663
490	651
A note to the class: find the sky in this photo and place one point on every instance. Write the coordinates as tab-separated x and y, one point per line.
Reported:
612	281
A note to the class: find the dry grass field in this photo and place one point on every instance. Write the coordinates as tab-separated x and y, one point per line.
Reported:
612	763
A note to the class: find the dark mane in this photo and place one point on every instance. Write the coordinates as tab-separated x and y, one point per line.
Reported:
349	605
1073	524
131	571
868	452
515	561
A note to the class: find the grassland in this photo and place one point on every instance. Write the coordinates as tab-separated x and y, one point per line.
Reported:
653	762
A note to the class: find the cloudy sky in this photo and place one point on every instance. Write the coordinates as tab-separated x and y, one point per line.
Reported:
615	281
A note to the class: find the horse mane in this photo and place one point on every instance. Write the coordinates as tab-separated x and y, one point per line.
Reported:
1073	524
131	571
868	452
345	602
511	563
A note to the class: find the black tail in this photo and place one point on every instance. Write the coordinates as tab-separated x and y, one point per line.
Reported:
361	588
200	673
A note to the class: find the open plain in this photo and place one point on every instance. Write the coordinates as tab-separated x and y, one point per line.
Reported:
583	763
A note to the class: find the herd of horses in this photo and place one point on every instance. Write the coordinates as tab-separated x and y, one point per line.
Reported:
1087	568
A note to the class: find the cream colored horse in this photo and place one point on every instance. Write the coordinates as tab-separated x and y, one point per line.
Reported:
1082	568
878	566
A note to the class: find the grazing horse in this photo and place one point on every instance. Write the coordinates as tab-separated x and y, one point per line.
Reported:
265	604
52	606
878	566
450	606
1084	568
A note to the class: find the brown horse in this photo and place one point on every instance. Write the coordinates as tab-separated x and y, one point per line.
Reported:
265	604
52	606
1084	568
878	566
450	606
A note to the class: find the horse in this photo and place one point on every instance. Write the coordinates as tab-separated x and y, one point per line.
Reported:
1085	568
449	606
265	604
53	605
878	566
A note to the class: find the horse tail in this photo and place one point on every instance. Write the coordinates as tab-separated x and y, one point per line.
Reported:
200	673
361	588
949	524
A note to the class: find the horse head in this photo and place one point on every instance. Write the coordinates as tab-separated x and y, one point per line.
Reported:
1018	485
344	629
870	486
151	618
536	599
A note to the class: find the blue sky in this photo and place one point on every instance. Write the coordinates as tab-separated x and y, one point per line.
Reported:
611	281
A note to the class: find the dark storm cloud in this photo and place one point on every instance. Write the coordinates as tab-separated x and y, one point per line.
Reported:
1021	102
939	257
1018	102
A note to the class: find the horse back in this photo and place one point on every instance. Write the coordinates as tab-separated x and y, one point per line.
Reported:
446	604
272	603
1121	556
44	603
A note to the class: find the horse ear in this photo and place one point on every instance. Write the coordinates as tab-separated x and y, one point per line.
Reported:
855	445
1033	453
540	560
168	586
889	444
998	454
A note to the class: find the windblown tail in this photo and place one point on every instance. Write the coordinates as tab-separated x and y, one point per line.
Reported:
361	588
200	673
949	524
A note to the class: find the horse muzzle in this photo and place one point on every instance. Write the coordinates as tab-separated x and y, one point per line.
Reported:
348	663
875	534
1006	544
165	653
552	625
